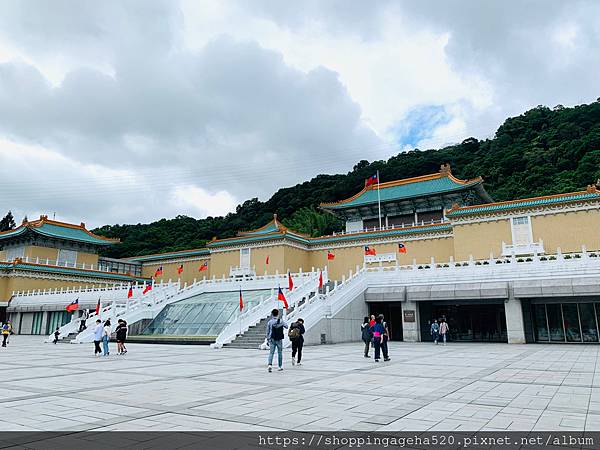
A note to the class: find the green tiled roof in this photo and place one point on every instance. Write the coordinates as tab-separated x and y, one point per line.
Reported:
403	191
332	239
59	231
71	271
525	203
197	252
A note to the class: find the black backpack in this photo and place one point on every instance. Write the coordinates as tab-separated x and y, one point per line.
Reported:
277	331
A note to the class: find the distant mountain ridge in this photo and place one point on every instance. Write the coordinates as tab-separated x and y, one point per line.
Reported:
543	151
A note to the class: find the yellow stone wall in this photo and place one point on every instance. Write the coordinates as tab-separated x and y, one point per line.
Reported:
569	231
43	253
221	262
296	259
87	259
190	270
479	239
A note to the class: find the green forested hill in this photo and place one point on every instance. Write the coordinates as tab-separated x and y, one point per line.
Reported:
543	151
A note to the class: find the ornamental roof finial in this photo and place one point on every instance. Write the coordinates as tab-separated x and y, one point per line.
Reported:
591	189
445	169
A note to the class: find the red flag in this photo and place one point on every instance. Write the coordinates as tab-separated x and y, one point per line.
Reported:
147	288
130	292
98	307
241	300
282	298
370	251
330	256
73	305
371	180
321	280
203	266
180	269
158	272
267	260
402	248
290	282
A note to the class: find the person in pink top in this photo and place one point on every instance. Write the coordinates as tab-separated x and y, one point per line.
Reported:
444	328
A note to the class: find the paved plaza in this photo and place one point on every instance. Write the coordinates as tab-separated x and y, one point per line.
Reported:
177	387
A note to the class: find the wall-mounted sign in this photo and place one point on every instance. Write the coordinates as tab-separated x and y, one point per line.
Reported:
382	257
409	315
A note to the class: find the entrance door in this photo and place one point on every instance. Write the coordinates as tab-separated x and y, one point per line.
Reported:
467	322
392	311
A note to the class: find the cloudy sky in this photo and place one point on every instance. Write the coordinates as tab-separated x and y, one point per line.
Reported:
129	111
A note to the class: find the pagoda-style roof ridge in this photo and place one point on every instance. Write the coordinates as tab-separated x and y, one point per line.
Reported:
272	227
60	230
590	194
440	182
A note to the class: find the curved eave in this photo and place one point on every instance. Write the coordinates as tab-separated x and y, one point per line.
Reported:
71	271
423	229
12	233
264	237
523	203
343	204
96	240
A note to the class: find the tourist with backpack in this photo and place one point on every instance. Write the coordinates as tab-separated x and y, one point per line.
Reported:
367	336
378	331
297	339
121	332
275	328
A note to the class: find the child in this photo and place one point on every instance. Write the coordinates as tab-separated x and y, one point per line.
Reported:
56	334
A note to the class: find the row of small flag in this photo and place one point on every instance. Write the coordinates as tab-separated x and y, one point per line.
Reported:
74	306
202	268
372	251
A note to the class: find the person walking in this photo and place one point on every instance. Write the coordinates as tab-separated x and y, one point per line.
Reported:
56	334
386	338
372	320
367	336
275	328
296	337
98	331
435	331
121	332
5	334
444	329
378	331
106	337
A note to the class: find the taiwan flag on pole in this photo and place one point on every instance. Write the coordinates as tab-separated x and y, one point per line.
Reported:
330	256
98	307
73	305
282	298
290	282
241	301
180	269
371	180
158	272
370	251
203	266
402	248
321	280
130	292
147	288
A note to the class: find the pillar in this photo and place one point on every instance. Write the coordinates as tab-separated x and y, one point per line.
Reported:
515	327
410	322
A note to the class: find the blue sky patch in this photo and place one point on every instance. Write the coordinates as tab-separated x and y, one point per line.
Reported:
420	123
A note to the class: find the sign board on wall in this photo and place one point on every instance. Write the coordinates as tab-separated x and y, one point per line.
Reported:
382	257
409	315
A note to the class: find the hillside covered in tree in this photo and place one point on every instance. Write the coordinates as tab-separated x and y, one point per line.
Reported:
543	151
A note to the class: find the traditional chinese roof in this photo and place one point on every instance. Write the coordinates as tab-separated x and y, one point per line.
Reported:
284	233
169	255
409	188
548	200
20	265
58	230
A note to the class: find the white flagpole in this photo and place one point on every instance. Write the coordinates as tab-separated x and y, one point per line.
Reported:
240	313
378	200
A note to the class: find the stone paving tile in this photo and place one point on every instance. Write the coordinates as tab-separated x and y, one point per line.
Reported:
186	388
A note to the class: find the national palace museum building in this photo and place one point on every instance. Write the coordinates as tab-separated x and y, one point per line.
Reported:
520	271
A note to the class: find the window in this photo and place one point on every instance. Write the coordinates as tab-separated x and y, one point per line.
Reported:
245	258
67	258
521	231
15	252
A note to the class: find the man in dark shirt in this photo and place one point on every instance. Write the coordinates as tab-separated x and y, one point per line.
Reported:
297	339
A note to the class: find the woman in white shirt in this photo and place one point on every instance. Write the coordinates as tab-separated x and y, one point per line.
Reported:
106	336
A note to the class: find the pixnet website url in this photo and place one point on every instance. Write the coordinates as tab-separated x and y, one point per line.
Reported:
433	440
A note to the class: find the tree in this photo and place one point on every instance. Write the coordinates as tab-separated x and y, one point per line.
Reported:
8	222
312	222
